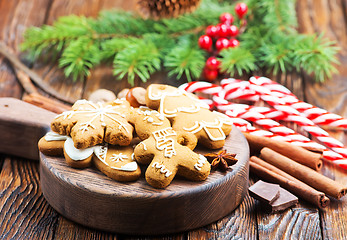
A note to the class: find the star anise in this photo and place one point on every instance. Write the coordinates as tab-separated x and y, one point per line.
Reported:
221	160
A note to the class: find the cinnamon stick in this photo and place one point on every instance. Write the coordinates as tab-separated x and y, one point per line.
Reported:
304	173
296	153
46	103
272	174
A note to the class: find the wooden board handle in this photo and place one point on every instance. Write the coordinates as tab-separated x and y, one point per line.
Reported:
21	126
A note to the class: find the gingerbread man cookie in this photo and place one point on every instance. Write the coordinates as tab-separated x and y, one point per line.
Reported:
117	162
162	150
187	113
91	123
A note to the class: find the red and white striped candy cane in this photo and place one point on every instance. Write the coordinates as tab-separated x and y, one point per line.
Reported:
282	112
238	89
252	114
306	124
315	114
202	87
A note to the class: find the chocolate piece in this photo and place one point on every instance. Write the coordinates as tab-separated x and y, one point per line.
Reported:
284	201
264	192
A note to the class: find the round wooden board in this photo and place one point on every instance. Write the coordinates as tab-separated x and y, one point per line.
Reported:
90	198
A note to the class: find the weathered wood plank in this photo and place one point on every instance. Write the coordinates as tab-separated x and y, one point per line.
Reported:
166	237
300	222
24	213
69	230
334	217
9	86
16	16
328	17
240	224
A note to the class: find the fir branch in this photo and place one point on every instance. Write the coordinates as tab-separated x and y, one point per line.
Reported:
140	58
186	59
138	46
79	57
276	15
316	56
276	56
237	60
64	30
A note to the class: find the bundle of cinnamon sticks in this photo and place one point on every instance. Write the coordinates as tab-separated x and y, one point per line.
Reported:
293	168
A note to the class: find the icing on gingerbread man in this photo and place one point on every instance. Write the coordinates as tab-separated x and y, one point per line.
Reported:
91	123
187	113
162	151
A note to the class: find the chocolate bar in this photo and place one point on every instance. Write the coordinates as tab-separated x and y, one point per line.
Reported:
264	192
284	201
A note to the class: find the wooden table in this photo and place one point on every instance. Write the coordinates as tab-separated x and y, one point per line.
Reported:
24	212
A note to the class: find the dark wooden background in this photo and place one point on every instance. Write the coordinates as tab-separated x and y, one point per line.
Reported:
24	213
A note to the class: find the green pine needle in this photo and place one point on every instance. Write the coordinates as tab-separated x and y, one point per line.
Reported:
139	47
140	58
79	57
237	60
185	59
316	56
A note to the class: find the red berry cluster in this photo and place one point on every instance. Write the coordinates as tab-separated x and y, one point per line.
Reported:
219	37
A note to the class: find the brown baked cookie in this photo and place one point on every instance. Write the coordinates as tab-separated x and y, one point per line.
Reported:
116	162
52	144
187	113
90	123
164	154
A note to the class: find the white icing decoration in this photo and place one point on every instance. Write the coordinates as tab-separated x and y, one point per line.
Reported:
144	146
118	157
224	118
129	167
96	110
53	136
101	152
133	156
150	120
161	95
200	162
163	142
148	112
217	124
195	107
119	101
162	168
205	125
74	153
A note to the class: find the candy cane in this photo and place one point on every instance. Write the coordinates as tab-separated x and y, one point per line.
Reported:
317	115
203	87
306	124
294	115
231	86
238	89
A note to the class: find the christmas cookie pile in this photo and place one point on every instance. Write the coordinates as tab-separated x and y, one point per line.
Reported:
115	137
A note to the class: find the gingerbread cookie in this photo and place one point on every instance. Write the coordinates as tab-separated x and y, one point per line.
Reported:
91	123
163	152
117	162
52	144
187	113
